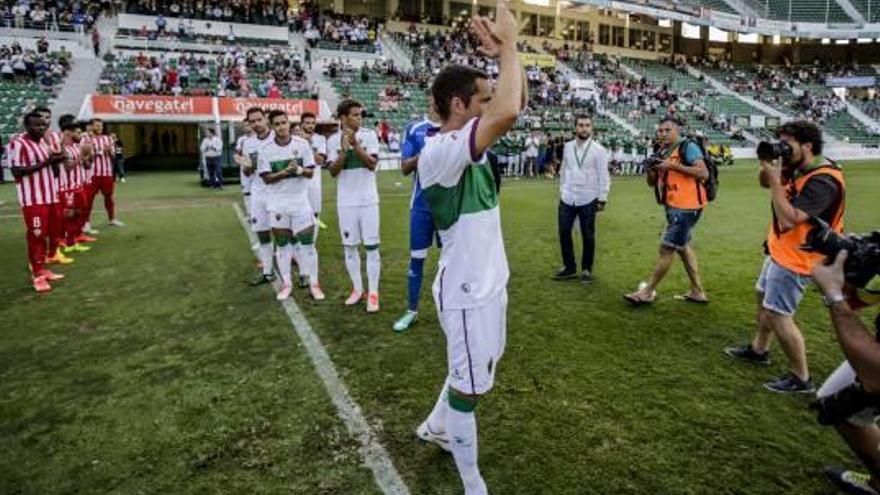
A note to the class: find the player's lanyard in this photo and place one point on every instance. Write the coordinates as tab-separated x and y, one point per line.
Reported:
580	158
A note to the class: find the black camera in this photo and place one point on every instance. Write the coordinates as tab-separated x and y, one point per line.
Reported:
651	162
862	263
768	151
851	401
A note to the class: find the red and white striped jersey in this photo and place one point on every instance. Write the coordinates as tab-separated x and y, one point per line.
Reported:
53	139
37	188
102	151
71	180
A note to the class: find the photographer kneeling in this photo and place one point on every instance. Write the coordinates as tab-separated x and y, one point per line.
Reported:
850	399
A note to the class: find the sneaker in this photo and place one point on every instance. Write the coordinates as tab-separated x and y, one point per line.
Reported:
747	354
354	298
284	293
50	276
405	321
255	246
303	281
85	238
790	384
122	180
77	248
439	439
850	481
565	274
317	293
373	303
116	223
586	277
89	230
59	259
262	280
41	284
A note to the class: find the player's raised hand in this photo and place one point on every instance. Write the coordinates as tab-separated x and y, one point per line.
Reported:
498	35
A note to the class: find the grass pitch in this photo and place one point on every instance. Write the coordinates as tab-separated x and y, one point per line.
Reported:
154	368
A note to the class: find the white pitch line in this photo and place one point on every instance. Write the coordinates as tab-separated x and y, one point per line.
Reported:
375	455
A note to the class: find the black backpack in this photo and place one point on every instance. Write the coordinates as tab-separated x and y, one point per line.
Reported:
712	183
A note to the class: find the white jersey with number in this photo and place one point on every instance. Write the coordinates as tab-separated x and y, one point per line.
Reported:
319	146
357	183
291	193
250	147
461	193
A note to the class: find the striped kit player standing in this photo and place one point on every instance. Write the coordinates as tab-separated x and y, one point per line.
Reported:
103	150
34	167
56	233
71	179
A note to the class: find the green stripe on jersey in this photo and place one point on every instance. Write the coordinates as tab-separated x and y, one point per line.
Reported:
279	165
352	161
475	192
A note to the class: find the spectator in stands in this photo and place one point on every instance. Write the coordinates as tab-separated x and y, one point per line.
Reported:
161	23
96	42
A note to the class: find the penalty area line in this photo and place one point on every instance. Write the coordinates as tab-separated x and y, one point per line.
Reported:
374	454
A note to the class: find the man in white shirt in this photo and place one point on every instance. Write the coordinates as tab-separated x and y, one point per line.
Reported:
584	185
531	145
285	164
212	148
471	285
353	155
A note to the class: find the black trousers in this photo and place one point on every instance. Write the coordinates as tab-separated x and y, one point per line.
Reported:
586	214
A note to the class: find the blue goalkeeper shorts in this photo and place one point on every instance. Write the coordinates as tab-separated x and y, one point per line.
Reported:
422	233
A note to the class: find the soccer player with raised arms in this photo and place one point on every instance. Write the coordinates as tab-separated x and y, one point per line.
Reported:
470	289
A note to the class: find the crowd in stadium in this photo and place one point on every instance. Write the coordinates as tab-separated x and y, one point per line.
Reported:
22	65
54	15
269	12
271	73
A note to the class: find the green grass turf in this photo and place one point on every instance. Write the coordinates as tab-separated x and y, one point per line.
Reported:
154	369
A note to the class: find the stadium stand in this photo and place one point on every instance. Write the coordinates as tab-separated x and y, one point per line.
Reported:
805	11
28	79
269	73
267	12
50	15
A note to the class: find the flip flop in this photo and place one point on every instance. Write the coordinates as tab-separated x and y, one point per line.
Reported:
691	299
635	301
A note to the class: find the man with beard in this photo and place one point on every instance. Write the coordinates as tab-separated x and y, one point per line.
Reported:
805	185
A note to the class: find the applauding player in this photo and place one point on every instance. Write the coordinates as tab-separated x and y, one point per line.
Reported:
286	165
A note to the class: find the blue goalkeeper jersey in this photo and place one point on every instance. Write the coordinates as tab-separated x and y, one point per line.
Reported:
413	141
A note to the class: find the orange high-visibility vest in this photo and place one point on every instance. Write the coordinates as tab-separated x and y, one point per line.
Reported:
785	247
679	190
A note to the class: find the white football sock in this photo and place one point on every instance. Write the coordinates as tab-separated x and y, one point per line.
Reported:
353	265
437	418
284	254
374	266
308	257
266	258
462	430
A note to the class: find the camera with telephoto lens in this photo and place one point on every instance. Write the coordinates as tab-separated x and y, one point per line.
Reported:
863	261
768	151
